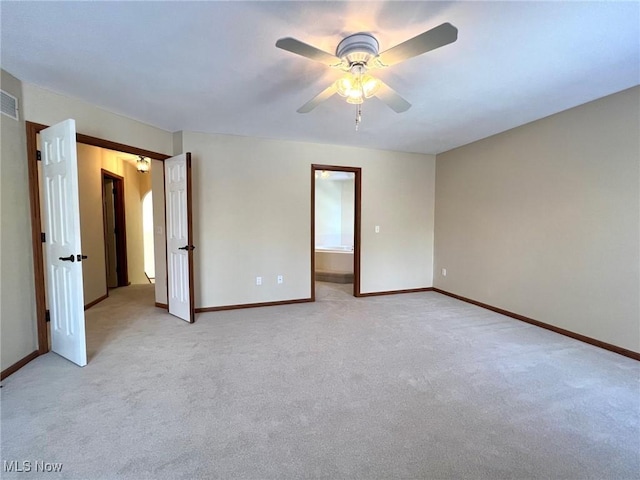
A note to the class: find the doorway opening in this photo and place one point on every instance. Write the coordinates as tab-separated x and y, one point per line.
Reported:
115	231
335	225
33	130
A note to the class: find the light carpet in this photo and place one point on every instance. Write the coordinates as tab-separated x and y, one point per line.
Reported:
403	386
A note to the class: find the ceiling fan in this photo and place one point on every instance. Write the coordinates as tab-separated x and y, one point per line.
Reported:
356	55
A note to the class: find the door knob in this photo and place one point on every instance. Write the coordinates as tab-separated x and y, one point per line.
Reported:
70	258
187	247
81	257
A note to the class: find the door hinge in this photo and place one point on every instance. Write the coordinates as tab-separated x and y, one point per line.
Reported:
38	155
47	316
43	237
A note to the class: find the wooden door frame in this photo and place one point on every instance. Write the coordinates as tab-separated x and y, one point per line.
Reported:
122	266
192	288
357	210
36	226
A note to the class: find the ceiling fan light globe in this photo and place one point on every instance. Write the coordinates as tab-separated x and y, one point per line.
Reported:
344	85
370	86
355	97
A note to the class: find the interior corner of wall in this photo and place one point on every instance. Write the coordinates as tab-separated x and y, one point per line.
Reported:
177	142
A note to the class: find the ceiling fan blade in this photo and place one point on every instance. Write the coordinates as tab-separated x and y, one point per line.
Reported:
389	96
300	48
425	42
318	99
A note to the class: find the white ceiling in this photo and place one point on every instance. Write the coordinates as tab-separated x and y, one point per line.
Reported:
213	66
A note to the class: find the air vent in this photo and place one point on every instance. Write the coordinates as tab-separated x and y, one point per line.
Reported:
9	105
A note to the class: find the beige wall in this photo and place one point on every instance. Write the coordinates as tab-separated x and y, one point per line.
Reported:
133	215
94	275
252	217
348	212
144	183
159	242
17	298
544	220
47	107
91	161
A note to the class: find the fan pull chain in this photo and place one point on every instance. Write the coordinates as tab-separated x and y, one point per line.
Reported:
359	105
358	115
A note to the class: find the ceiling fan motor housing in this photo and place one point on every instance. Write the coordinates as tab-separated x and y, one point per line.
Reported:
358	48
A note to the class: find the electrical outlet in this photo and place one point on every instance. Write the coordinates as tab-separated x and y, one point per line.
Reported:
258	280
280	279
444	272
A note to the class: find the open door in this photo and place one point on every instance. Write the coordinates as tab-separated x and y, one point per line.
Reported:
61	214
177	183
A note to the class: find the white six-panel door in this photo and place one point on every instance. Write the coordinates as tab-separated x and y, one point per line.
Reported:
177	177
61	215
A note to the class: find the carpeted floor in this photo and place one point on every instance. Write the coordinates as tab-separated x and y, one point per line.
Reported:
403	386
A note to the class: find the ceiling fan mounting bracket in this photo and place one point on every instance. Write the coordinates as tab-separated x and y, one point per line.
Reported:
358	48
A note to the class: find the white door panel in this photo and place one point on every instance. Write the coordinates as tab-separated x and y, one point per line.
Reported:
61	219
177	174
